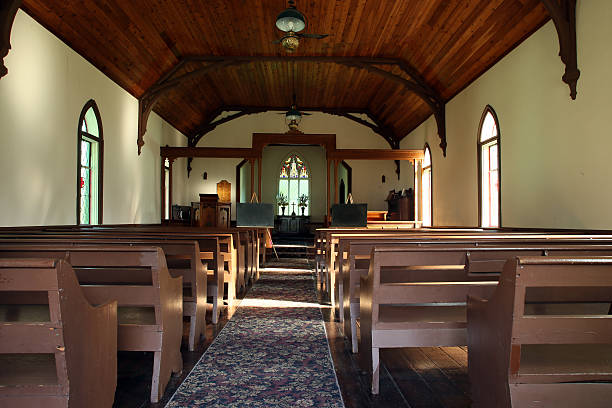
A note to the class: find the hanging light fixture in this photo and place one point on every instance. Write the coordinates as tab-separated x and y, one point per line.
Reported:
293	117
291	20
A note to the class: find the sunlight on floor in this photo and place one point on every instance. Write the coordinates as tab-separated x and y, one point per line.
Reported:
279	303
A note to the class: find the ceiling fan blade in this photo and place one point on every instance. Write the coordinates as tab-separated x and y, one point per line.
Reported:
316	36
276	42
305	114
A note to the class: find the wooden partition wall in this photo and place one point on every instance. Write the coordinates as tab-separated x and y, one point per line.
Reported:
328	141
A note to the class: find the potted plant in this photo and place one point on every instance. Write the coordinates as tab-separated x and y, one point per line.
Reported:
303	202
282	201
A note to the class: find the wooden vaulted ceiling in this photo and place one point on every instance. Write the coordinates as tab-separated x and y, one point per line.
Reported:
448	44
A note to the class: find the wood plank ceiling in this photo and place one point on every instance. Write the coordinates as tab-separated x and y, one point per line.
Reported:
136	42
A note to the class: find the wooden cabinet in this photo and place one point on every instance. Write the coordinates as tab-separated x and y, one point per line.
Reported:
401	207
285	224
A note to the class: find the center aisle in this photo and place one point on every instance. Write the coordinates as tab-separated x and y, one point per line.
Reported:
272	353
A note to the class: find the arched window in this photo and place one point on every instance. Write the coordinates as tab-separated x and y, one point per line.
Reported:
293	183
427	192
489	156
90	147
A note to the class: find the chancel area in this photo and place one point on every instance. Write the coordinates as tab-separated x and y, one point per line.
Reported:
305	203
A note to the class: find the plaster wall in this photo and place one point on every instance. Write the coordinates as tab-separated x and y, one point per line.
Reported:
40	101
555	166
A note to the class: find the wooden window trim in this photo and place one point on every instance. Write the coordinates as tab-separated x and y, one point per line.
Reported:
431	178
479	145
100	140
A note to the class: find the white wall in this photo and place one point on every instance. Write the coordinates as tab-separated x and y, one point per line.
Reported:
555	165
367	175
40	101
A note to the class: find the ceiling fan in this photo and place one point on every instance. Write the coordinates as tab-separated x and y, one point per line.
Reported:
293	116
291	21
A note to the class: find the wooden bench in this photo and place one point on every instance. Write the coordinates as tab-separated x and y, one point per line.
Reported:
415	296
56	350
150	302
544	338
219	263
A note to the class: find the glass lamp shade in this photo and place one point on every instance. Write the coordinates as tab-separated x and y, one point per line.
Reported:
290	20
293	115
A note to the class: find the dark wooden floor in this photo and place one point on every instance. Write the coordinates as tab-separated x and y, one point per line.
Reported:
432	377
413	377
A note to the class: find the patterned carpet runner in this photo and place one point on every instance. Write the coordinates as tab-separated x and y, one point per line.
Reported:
272	353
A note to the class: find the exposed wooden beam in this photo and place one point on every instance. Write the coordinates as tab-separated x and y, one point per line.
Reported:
210	124
376	154
211	152
8	10
563	15
416	84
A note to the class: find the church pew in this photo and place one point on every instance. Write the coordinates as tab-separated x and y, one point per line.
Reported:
56	350
150	304
360	247
544	338
415	296
217	251
182	258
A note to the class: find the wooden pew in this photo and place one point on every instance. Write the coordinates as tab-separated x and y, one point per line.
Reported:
56	350
415	296
544	339
150	303
220	264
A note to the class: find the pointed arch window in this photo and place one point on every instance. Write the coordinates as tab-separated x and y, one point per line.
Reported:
489	158
90	147
293	183
427	194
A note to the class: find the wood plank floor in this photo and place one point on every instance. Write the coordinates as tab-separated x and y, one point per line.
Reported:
425	377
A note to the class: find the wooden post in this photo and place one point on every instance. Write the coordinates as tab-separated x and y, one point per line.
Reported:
163	190
336	182
252	161
259	177
418	189
328	193
170	161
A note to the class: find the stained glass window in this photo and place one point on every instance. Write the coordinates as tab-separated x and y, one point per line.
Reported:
294	179
488	150
89	166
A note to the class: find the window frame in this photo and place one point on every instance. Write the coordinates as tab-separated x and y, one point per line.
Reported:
479	147
431	183
91	104
309	179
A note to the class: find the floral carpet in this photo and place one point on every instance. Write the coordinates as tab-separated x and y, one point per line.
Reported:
272	353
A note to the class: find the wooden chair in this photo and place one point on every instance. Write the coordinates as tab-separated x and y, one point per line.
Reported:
56	350
544	338
150	301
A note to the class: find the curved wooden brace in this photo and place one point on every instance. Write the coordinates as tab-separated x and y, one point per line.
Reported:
8	11
563	15
416	85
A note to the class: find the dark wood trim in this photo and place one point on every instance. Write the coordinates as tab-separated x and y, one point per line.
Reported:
238	167
8	11
349	177
563	14
415	84
261	140
100	140
479	145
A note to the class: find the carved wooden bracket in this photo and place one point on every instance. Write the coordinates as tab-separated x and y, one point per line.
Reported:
8	10
563	14
416	84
